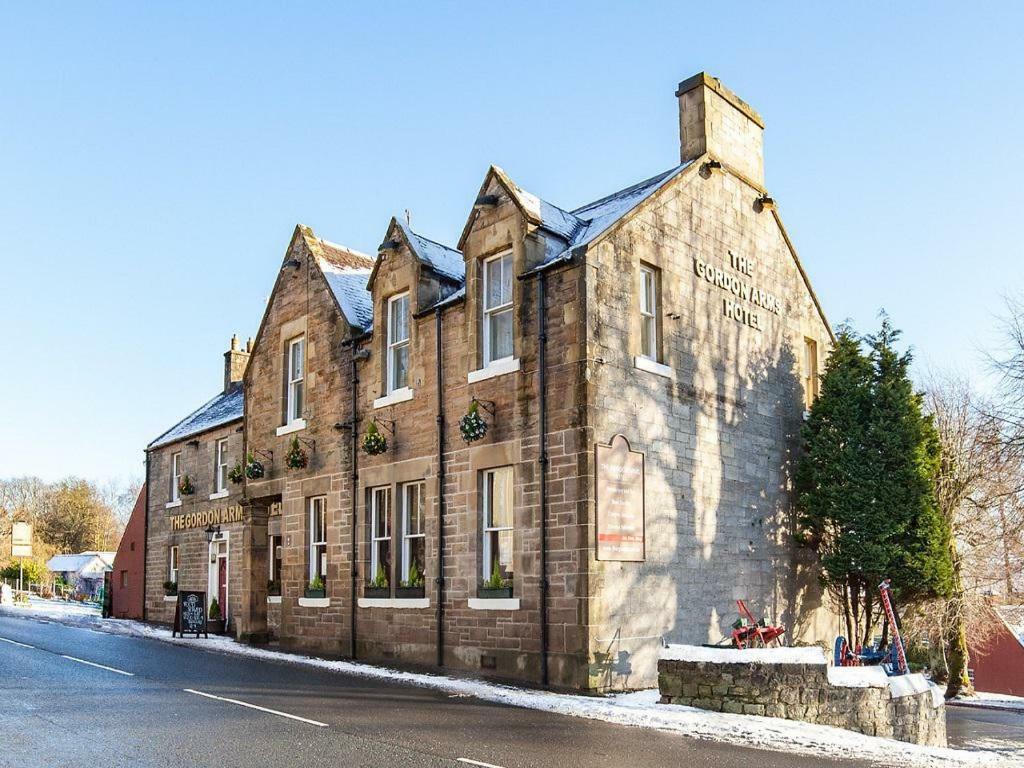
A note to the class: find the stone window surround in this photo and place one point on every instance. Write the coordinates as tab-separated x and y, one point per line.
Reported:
496	368
394	476
482	458
289	332
391	347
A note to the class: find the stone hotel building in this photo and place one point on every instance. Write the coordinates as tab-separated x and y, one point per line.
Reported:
534	454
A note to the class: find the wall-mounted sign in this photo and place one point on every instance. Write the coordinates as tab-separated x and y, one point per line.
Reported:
219	516
21	540
620	501
190	614
748	297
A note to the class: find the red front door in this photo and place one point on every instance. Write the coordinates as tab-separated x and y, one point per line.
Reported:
222	585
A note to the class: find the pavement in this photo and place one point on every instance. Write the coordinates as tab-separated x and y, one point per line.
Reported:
995	730
72	696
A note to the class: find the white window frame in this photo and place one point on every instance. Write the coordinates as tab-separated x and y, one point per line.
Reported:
173	564
487	559
490	312
420	488
375	540
273	574
649	300
175	476
318	539
395	345
221	465
296	381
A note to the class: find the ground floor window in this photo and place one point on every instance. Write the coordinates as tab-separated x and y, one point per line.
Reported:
318	540
380	537
496	503
124	579
414	535
172	569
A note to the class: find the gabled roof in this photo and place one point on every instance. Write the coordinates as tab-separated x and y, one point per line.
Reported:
92	562
222	409
346	272
1013	617
447	263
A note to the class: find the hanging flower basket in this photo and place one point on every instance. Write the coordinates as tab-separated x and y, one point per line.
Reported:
296	458
374	442
236	474
185	487
472	426
253	468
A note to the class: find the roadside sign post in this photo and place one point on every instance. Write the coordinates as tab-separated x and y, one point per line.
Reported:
21	547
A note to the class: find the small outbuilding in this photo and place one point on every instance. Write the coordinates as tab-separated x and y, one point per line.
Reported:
126	585
998	664
84	571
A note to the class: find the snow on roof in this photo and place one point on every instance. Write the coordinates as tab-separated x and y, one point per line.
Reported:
1013	617
447	262
222	409
348	284
89	562
811	654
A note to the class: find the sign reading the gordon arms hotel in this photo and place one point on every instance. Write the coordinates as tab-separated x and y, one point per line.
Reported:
620	501
748	297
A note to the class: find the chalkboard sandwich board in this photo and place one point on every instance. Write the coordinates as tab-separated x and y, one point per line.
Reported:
190	614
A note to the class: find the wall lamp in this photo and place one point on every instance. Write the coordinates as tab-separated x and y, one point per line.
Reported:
293	263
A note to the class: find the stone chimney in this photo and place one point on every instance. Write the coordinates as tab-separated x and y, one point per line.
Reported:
235	360
715	120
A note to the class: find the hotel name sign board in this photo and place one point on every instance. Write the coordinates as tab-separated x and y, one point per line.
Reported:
218	516
749	299
620	501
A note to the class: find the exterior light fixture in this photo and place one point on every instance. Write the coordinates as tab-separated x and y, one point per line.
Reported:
212	532
293	263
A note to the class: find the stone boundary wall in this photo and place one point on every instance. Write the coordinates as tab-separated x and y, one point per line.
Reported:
802	692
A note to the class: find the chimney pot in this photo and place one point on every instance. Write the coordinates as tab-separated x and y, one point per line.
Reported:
235	361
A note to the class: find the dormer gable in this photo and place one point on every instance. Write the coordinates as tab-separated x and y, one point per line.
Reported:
435	271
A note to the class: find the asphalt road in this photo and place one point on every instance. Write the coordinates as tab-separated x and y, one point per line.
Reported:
992	729
56	710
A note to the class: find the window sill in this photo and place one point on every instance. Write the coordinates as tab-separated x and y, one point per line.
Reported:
315	602
292	426
397	396
497	368
659	369
220	494
394	602
274	599
170	598
172	504
494	604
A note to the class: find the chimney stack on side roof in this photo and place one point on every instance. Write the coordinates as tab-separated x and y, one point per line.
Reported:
715	120
235	360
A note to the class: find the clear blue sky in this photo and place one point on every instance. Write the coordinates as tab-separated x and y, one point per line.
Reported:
155	158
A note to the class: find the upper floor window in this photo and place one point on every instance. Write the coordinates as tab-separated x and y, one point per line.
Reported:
175	492
296	378
380	536
810	372
414	534
497	308
497	523
172	565
398	343
220	469
318	539
650	343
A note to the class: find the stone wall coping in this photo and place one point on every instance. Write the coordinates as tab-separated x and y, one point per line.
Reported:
811	654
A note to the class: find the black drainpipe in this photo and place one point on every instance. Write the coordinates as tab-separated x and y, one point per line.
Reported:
542	460
440	491
145	540
354	431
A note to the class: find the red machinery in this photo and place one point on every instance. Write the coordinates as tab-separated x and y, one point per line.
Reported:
748	632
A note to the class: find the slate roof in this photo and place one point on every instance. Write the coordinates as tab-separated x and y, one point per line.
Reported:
348	284
76	563
446	262
225	408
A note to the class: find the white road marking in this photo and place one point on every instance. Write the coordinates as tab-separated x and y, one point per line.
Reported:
15	642
98	666
253	706
476	762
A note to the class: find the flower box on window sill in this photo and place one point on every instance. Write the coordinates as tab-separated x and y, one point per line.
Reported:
488	593
315	593
376	592
410	593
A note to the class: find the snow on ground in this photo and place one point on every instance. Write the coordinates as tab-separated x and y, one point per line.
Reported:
638	709
809	655
37	606
992	701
